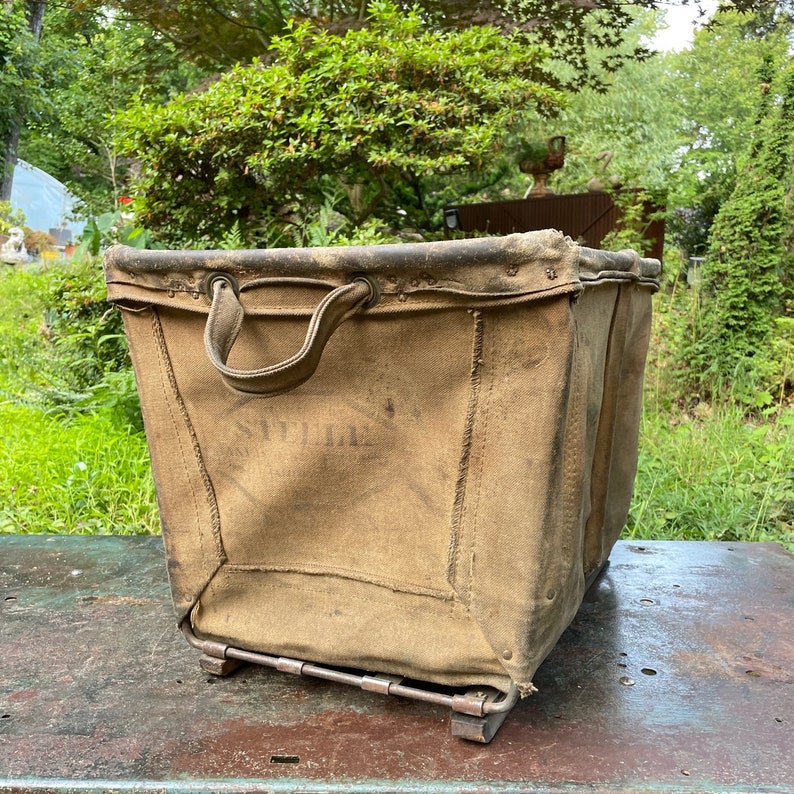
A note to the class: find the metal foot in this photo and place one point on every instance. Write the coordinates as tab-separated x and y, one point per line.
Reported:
214	658
479	729
216	666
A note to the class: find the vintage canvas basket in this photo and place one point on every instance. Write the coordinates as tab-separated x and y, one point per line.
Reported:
405	459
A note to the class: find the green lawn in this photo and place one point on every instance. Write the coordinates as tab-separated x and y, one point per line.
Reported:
88	475
69	462
714	475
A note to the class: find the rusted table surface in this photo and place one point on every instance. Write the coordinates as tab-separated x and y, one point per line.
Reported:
676	675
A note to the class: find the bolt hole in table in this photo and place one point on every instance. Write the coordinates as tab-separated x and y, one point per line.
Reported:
677	674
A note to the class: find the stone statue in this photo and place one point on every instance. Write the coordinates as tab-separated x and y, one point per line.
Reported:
602	182
13	251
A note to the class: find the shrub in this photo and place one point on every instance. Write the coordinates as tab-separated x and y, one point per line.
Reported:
86	330
65	349
10	217
376	108
38	242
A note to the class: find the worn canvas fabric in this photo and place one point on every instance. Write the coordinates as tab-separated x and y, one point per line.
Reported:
404	459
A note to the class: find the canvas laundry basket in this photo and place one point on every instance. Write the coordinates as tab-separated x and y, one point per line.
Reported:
404	458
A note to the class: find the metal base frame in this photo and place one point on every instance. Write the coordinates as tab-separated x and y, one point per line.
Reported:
477	714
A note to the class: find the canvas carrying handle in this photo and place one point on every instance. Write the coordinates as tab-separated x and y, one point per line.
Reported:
225	321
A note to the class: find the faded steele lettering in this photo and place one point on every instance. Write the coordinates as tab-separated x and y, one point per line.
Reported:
295	433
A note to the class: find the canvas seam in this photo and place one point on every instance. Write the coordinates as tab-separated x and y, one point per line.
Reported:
572	465
453	557
460	612
209	490
344	573
483	446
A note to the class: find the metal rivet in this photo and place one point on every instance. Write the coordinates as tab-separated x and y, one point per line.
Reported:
374	289
507	655
550	595
226	278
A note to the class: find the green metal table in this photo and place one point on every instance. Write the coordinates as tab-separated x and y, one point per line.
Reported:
676	675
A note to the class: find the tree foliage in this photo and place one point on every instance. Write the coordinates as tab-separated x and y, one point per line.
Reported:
376	107
713	91
630	120
20	78
92	66
749	268
585	36
217	35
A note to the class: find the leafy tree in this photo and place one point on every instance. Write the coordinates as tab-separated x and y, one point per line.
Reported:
676	123
713	92
224	32
92	66
20	28
215	35
584	36
377	107
630	117
749	268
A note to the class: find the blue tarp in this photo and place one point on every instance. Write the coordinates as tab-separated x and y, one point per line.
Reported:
46	202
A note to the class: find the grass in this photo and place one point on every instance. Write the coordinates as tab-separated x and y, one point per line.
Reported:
706	472
714	475
21	314
63	468
88	475
719	470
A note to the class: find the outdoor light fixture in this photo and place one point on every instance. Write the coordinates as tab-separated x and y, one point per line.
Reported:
693	273
451	219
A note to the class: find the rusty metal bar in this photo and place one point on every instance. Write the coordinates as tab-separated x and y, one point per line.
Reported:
475	705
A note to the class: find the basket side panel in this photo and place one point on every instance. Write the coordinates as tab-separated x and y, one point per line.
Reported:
615	462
